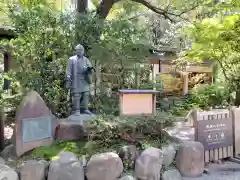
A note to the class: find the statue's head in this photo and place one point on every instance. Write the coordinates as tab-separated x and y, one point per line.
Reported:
79	50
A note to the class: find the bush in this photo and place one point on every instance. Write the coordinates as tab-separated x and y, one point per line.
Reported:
210	95
109	133
203	96
131	129
106	104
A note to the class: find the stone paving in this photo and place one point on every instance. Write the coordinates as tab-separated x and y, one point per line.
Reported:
225	171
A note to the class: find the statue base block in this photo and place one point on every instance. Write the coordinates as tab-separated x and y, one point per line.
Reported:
69	130
80	117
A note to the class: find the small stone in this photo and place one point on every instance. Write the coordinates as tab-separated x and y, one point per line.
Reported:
128	177
33	170
6	173
206	171
190	159
2	161
169	152
104	166
148	165
128	154
172	174
218	162
65	157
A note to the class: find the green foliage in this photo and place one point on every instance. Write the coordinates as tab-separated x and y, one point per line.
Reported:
109	133
111	127
45	41
210	95
217	39
203	96
106	104
78	147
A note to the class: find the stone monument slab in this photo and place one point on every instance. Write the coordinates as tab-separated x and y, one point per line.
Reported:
35	124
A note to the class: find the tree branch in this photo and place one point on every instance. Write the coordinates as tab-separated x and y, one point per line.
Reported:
82	6
106	5
104	8
164	12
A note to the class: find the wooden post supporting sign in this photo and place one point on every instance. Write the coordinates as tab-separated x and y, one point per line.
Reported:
1	128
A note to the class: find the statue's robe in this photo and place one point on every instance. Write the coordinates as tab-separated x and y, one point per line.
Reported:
76	74
78	81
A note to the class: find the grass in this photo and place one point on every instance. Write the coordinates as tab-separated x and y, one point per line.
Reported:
88	148
77	147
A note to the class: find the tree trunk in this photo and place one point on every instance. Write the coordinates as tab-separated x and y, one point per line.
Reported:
137	76
104	8
82	6
237	101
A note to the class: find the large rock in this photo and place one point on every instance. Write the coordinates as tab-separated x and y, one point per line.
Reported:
46	164
6	173
169	152
8	152
180	133
190	159
128	154
171	174
35	125
2	161
69	130
105	166
148	165
66	167
33	170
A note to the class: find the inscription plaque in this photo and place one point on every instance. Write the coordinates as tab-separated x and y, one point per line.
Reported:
215	133
36	128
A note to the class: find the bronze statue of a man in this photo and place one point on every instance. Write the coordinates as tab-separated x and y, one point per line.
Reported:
78	71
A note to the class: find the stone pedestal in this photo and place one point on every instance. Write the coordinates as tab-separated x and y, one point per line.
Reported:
69	130
80	118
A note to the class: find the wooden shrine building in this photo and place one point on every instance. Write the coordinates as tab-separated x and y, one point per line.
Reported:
178	78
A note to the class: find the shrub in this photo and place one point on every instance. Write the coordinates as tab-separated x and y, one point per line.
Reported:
203	96
109	133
